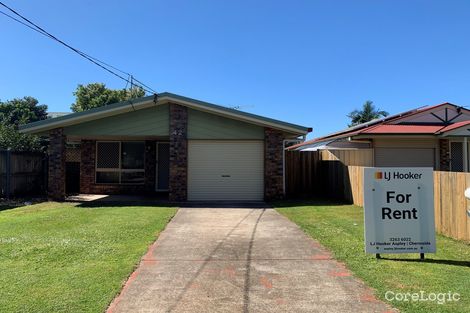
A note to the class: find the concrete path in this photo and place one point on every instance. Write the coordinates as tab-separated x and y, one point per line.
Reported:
240	260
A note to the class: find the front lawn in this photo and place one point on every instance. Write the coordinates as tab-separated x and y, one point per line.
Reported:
341	229
57	257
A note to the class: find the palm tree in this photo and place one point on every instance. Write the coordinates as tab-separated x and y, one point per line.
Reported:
368	113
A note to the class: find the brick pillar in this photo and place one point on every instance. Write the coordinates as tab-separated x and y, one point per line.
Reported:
178	184
56	177
273	165
444	155
150	165
87	165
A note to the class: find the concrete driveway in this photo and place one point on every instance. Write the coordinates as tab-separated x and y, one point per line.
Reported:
240	260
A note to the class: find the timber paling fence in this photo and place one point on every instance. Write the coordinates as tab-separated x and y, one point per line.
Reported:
450	205
310	174
22	173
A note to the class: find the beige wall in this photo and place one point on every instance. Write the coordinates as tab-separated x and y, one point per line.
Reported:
410	143
366	157
405	142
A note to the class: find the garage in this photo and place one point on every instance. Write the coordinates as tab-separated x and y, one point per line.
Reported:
404	157
225	170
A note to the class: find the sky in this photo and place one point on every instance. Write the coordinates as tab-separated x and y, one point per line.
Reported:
306	62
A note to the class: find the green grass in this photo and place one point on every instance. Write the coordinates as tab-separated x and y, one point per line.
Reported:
57	257
341	229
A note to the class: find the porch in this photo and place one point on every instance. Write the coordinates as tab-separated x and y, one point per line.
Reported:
160	198
113	166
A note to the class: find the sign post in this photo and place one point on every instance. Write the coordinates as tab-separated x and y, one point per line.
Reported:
399	210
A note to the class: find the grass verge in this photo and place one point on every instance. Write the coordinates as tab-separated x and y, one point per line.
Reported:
57	257
340	228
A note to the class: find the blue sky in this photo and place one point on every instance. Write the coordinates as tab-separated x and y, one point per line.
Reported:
305	62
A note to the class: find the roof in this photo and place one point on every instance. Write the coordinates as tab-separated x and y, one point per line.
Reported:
56	114
454	126
161	98
390	125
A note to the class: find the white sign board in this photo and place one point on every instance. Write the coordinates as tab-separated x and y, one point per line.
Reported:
399	210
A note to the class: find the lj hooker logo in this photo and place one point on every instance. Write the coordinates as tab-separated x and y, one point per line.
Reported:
397	175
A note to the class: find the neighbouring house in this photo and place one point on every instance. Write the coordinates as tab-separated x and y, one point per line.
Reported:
185	148
433	136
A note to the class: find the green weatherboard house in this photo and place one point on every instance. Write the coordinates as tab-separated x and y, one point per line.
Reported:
169	145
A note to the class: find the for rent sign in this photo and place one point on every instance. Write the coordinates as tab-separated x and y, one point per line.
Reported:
399	210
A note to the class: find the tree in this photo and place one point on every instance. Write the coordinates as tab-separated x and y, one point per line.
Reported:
368	113
11	138
96	95
14	113
21	111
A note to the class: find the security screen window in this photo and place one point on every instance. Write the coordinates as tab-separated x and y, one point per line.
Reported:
456	156
459	155
120	162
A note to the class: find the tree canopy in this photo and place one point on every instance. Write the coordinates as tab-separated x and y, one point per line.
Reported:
368	113
20	111
97	94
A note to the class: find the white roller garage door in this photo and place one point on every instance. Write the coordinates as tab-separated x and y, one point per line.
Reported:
404	157
225	170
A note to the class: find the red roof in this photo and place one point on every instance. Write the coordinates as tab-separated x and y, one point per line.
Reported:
383	126
454	126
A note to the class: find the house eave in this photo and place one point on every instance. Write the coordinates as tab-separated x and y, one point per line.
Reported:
163	98
85	116
234	114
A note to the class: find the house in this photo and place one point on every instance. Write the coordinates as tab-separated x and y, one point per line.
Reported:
189	149
432	136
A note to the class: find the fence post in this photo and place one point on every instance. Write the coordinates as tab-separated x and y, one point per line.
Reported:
8	173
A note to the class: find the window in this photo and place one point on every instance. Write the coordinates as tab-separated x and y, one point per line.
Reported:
459	162
132	155
120	162
456	153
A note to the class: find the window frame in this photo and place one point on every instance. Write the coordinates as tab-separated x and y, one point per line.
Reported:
120	170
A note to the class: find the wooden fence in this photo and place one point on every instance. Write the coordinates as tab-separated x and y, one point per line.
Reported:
323	173
359	157
333	179
450	205
302	170
22	173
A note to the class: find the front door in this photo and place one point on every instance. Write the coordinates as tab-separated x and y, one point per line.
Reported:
163	166
72	177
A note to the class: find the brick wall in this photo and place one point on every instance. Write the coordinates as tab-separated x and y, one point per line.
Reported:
87	172
178	183
444	155
87	165
56	177
273	165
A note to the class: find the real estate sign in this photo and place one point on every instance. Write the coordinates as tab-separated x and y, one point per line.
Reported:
399	210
